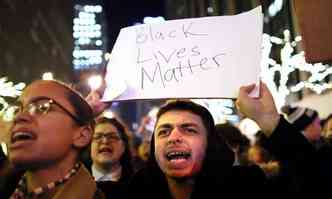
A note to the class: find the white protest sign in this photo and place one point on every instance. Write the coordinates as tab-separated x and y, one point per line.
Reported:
208	57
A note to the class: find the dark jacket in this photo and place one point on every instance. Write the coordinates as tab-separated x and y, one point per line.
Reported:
9	178
112	189
217	178
240	180
304	162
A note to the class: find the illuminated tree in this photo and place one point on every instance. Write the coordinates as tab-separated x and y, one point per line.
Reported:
8	90
290	61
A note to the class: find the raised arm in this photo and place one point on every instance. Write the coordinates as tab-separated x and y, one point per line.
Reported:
262	109
283	140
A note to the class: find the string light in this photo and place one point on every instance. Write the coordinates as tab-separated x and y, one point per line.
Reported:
222	110
8	89
290	62
275	7
4	148
95	82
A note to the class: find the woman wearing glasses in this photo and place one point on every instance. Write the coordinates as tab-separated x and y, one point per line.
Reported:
51	126
111	159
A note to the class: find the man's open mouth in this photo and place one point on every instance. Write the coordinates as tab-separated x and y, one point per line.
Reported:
21	136
176	155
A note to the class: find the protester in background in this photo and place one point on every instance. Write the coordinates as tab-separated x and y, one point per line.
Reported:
237	141
189	160
260	156
327	129
48	133
111	158
144	150
325	151
145	131
306	121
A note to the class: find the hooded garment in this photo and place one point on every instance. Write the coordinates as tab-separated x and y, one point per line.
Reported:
218	176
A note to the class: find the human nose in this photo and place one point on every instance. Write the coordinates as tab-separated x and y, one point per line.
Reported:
22	116
104	139
176	134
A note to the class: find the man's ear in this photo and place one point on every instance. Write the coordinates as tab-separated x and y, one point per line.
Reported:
83	136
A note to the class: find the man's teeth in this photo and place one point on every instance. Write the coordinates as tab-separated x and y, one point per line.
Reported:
22	136
178	155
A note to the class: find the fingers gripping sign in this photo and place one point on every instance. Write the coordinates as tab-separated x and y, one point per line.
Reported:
94	100
261	109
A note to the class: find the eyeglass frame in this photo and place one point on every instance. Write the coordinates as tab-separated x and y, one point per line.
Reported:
108	136
50	101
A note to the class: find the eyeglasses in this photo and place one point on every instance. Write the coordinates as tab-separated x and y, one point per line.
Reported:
42	106
108	136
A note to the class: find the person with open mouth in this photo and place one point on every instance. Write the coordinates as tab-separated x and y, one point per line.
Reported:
111	159
52	125
189	160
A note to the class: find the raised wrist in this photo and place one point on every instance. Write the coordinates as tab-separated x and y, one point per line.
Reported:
268	124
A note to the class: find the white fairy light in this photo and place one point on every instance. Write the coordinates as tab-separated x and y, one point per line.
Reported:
289	63
222	110
95	82
47	76
4	148
8	89
108	114
275	7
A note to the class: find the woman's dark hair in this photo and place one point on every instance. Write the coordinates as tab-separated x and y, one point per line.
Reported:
233	136
219	157
126	159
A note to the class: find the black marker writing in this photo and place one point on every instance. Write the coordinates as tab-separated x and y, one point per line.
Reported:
187	33
189	66
146	34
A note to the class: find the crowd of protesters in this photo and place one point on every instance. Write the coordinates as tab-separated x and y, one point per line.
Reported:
60	145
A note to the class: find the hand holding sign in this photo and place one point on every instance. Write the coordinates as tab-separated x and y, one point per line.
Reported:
191	58
261	109
94	98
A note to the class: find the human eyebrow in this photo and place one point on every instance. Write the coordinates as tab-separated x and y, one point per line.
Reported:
38	98
185	125
164	126
106	132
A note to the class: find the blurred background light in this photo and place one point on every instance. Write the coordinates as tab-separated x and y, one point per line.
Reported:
95	82
108	114
4	148
48	76
153	20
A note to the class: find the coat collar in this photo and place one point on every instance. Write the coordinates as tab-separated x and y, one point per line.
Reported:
82	186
